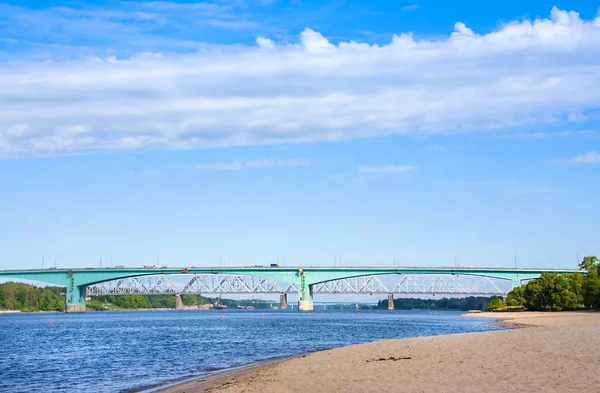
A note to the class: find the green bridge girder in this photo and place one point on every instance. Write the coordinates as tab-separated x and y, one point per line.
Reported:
77	280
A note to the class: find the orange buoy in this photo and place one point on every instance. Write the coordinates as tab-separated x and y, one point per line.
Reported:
51	324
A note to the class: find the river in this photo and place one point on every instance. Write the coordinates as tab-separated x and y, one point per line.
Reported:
127	350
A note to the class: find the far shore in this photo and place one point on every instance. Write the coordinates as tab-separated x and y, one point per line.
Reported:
554	352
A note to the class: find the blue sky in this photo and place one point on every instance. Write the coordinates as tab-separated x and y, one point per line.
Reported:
252	130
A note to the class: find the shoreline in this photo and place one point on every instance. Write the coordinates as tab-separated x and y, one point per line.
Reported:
346	365
212	380
225	377
529	319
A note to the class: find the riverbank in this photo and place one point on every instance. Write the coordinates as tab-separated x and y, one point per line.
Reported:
540	319
556	353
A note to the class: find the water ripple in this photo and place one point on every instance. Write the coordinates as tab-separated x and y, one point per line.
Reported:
125	351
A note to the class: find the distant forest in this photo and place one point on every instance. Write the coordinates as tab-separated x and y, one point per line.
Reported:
28	298
463	304
25	297
168	301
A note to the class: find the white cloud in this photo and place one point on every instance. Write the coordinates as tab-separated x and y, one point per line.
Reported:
265	43
434	148
589	158
314	42
266	163
411	7
461	29
387	168
525	73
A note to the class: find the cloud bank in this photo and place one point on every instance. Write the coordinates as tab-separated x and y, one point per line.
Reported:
525	73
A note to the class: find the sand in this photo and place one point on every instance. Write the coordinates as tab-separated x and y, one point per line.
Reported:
558	352
539	319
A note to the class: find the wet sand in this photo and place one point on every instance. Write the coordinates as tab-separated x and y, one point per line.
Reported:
557	352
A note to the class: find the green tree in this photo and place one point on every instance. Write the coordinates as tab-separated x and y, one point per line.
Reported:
533	296
496	303
26	297
554	292
591	289
564	294
591	284
516	297
590	263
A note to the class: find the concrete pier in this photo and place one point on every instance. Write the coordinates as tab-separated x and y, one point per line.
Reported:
179	302
75	297
305	305
75	307
390	301
283	305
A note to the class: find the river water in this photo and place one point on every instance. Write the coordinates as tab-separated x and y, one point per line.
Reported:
125	350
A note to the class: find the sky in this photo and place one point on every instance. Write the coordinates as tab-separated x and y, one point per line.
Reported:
305	132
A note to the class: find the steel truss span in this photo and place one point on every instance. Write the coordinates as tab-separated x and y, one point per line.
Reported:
213	284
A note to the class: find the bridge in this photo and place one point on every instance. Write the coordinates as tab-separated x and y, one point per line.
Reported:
227	284
304	279
220	284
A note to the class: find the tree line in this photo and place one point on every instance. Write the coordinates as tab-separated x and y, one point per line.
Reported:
168	301
133	301
25	297
29	298
461	304
554	292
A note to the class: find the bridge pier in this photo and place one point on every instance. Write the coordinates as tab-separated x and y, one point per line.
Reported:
283	305
179	302
390	301
305	303
75	297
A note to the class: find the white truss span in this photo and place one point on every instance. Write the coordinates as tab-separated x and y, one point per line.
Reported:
358	285
211	284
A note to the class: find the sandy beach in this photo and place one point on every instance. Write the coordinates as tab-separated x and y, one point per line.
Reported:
554	352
